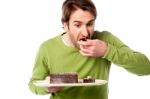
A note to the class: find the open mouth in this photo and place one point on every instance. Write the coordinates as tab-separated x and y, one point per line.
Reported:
84	39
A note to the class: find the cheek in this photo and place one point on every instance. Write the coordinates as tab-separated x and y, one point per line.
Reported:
75	33
91	29
90	32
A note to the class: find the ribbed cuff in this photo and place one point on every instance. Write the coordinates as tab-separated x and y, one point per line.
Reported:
109	52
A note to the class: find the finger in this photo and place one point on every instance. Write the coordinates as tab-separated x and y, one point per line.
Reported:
85	49
47	78
85	54
54	89
85	43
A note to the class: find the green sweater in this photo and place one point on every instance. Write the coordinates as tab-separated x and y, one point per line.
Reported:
54	56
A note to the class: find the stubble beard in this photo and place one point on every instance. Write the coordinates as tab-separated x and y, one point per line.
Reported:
73	41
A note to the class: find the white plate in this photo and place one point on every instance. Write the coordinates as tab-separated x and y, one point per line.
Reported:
44	83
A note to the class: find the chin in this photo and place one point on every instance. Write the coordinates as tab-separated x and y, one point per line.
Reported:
77	46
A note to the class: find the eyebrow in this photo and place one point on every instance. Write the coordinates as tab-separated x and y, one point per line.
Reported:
87	22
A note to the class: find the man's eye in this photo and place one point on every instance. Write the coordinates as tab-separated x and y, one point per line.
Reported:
77	25
90	24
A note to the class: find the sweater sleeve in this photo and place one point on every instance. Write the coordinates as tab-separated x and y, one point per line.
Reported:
40	71
121	55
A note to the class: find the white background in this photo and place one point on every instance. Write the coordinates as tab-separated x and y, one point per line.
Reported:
25	24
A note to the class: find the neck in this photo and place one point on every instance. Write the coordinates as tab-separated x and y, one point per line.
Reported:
67	40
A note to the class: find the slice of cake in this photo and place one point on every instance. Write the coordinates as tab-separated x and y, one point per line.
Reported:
67	77
88	79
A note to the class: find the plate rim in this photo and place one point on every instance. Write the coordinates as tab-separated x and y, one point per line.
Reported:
44	83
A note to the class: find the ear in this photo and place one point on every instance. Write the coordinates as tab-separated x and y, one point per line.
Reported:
65	26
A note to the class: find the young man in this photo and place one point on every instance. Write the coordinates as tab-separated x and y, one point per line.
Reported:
83	50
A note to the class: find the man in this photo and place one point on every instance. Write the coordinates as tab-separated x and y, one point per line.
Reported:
83	50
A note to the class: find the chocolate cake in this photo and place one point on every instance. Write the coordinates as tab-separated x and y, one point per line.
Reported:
68	77
88	79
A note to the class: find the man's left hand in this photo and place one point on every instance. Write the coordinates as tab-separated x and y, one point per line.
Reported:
94	48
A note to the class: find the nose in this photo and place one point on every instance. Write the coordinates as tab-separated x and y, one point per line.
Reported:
85	31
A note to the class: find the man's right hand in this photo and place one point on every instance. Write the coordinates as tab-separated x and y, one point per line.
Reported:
52	89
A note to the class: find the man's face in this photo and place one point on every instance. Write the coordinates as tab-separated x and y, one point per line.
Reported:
80	26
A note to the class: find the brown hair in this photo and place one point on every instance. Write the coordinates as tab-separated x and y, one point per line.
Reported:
72	5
